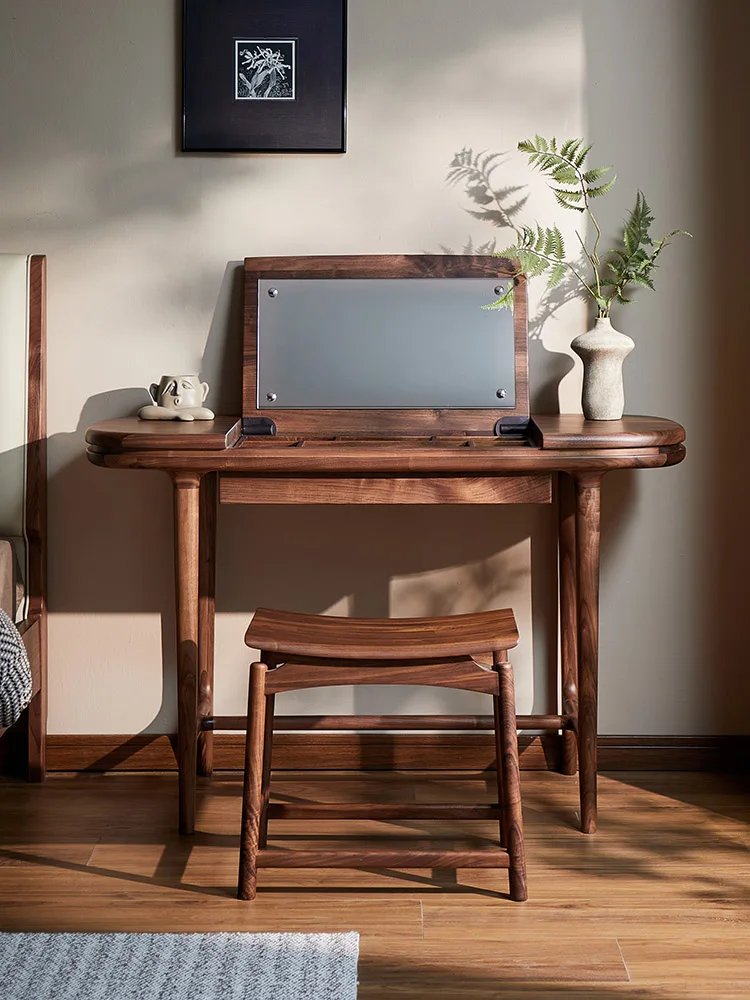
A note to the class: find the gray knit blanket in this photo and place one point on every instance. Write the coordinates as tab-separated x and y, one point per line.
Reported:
15	673
220	966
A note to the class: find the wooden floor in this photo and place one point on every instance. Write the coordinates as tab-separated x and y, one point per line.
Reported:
656	905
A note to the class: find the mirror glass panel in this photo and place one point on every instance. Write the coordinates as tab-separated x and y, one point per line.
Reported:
380	343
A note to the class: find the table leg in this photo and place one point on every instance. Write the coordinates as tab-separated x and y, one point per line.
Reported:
186	536
566	503
588	492
206	617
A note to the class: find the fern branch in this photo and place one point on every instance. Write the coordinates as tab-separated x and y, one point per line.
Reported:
570	160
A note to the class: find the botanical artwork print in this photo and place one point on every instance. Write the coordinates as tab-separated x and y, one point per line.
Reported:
265	69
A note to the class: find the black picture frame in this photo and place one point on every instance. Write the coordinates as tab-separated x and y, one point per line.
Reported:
264	76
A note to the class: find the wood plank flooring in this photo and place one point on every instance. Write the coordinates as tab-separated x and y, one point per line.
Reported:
655	905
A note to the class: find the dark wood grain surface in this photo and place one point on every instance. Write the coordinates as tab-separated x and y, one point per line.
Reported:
206	614
381	638
207	446
588	535
186	521
572	430
463	675
386	489
131	434
566	545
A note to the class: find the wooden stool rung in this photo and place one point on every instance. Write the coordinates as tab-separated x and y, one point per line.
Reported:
274	857
463	675
380	810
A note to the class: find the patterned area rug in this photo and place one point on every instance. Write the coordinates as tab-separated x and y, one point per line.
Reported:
178	966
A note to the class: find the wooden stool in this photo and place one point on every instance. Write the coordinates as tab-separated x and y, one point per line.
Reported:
305	651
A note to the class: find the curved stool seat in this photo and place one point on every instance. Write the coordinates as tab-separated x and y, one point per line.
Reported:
301	651
381	638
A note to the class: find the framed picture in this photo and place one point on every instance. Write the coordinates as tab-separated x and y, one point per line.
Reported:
264	76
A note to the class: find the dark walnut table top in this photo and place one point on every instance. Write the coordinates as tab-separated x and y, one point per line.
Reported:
564	442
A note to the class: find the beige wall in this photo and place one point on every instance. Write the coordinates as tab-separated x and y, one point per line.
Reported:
143	244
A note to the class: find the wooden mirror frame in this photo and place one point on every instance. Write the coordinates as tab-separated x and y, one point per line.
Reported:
380	422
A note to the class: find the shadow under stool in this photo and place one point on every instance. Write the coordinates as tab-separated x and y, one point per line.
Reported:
304	651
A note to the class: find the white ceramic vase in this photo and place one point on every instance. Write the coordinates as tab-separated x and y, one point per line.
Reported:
603	351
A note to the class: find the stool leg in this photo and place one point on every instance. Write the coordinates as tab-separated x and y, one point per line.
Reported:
265	788
499	770
511	781
252	802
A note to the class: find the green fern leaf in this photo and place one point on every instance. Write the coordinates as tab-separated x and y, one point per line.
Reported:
581	155
643	280
511	252
570	147
597	192
556	274
531	264
558	244
646	213
564	174
594	175
561	200
570	195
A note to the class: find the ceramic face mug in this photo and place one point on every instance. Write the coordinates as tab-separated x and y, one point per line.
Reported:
175	392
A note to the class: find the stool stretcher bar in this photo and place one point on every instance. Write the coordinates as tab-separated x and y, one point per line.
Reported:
273	857
380	810
398	722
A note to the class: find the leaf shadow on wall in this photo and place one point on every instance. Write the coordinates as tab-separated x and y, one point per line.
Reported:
498	206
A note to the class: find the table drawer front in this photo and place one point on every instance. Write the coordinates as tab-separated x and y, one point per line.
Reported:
385	489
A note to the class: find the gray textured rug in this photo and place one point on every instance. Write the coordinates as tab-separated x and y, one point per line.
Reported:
178	966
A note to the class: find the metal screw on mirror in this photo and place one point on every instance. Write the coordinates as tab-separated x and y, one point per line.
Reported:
501	393
499	290
273	292
271	397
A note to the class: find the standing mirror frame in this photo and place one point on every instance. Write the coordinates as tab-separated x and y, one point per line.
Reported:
387	421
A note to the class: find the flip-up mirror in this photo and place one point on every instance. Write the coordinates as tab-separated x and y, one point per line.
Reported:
331	343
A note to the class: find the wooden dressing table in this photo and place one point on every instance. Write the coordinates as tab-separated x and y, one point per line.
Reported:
493	454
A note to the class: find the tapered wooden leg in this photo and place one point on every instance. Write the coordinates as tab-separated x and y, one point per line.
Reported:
568	616
265	790
511	780
186	529
588	516
252	798
206	617
499	770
